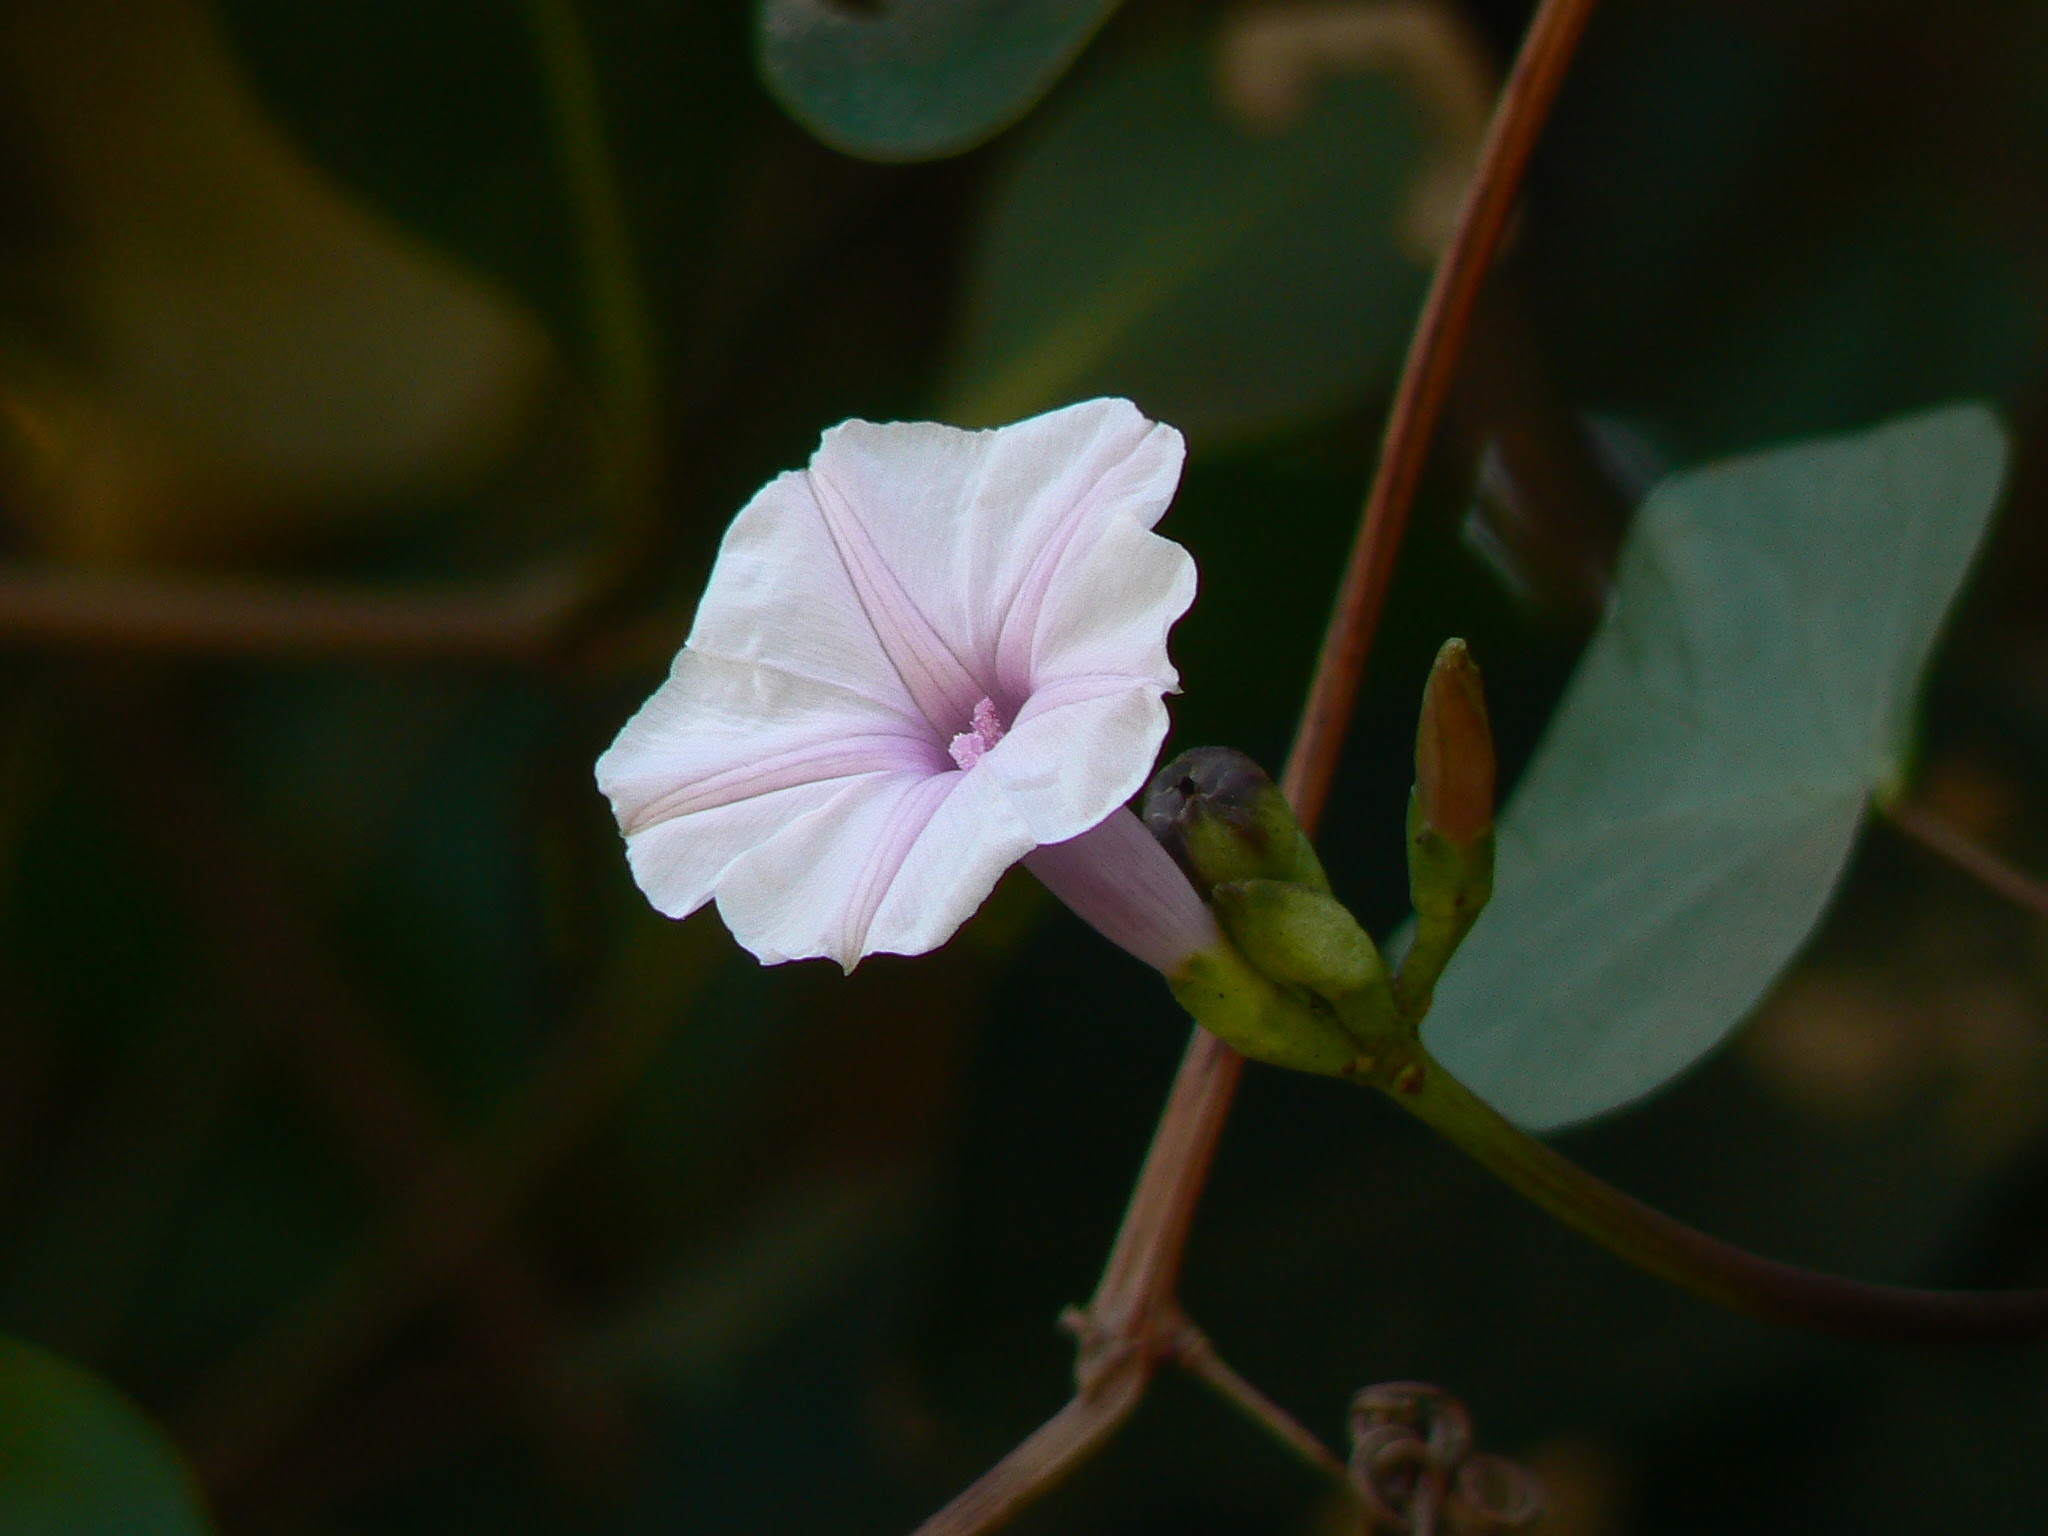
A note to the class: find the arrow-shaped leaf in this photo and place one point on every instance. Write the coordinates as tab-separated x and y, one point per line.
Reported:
1686	819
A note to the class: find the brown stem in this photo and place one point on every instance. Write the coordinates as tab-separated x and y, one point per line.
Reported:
1144	1263
1937	836
1122	1340
1043	1458
1525	103
1125	1330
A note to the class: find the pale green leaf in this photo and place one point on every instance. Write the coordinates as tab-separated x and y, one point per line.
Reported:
1687	816
1226	276
917	79
78	1459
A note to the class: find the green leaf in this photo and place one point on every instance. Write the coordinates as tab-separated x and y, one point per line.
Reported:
78	1459
1227	278
917	79
1687	816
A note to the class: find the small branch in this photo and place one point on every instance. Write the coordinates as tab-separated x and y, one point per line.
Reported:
1137	1288
1939	837
231	616
1525	104
1196	1355
1120	1330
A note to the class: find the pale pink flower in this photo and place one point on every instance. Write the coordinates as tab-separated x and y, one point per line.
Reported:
925	657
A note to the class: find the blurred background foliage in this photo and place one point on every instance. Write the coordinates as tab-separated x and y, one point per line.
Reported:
359	1121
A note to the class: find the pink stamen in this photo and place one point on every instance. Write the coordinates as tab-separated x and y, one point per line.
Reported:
970	746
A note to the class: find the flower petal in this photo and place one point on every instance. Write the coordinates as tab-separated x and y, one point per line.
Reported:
813	888
780	595
1109	606
678	863
977	527
1078	751
916	585
949	871
726	754
717	731
945	690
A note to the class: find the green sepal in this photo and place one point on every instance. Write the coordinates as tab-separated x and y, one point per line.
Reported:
1251	1012
1299	936
1307	939
1449	886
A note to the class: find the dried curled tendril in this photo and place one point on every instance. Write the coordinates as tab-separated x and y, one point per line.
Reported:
1413	1465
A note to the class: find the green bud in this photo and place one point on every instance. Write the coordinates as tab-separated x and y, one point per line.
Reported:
1450	824
1251	1012
1223	819
1454	765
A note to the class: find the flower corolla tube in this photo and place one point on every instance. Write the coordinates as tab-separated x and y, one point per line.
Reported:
927	655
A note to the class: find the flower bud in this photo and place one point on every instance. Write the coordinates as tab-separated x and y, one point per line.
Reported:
1223	819
1450	824
1454	766
1307	939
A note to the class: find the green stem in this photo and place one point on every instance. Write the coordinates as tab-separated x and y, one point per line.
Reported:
1711	1269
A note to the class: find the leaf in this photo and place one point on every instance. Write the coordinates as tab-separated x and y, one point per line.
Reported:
1226	277
1691	808
917	79
78	1459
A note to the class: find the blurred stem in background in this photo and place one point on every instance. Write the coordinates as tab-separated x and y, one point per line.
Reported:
1926	827
621	335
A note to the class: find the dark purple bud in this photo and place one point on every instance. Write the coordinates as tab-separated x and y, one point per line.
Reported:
1223	819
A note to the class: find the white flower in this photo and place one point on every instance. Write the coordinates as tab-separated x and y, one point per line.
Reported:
917	661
